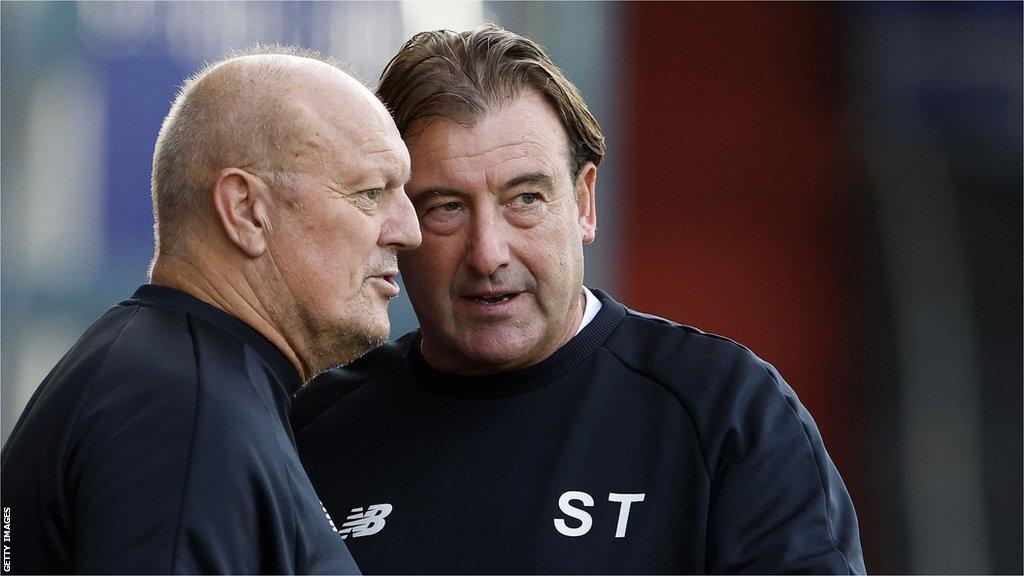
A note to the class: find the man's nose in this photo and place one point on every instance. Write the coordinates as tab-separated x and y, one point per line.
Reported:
402	229
488	248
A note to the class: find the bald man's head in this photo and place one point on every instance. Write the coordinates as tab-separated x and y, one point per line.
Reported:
245	111
278	190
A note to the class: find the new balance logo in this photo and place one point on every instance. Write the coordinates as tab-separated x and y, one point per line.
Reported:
365	523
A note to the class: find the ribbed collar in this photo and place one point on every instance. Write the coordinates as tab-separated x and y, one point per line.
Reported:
569	356
171	299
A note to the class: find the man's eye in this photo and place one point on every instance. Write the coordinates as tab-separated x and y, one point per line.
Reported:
443	218
442	210
527	198
373	194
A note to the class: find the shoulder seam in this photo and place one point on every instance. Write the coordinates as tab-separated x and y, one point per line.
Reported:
778	389
682	404
692	330
191	451
89	387
817	466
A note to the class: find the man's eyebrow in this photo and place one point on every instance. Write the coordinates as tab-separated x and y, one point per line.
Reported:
404	176
539	178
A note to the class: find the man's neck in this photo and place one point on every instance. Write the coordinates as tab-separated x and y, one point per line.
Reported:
231	294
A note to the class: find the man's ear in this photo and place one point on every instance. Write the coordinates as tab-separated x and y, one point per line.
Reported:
586	202
240	201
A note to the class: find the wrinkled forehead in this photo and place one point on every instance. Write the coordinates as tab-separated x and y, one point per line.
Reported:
525	131
344	132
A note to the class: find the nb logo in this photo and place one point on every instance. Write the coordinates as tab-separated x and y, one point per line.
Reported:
365	523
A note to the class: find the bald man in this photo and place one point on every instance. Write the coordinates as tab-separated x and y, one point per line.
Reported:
161	442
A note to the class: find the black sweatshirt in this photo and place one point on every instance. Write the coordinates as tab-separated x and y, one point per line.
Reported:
160	443
641	446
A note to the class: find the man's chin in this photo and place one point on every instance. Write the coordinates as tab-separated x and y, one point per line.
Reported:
493	353
343	346
363	342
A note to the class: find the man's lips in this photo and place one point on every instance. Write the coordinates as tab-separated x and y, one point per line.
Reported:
490	304
491	297
385	281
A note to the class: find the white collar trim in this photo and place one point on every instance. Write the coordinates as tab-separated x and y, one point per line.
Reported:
593	305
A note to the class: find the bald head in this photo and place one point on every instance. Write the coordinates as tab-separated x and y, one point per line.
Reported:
252	111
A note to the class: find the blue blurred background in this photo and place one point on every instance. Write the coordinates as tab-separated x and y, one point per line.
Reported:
838	186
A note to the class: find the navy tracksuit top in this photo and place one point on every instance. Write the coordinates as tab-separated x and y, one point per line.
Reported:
641	446
160	443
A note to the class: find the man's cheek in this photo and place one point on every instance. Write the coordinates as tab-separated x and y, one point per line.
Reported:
427	264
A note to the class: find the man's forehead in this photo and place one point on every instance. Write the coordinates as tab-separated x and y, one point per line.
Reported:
499	137
343	122
374	153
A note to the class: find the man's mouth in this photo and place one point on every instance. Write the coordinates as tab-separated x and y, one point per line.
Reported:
492	297
492	304
386	282
496	299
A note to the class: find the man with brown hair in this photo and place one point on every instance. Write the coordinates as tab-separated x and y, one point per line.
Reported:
532	424
161	442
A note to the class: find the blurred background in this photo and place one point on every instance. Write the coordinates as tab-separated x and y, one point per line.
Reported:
837	186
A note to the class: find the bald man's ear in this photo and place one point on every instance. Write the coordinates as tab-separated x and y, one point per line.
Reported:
586	201
240	201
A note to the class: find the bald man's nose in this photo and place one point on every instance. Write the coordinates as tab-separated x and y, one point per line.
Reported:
402	229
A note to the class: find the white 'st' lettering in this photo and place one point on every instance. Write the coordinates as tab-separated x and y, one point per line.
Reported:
569	510
625	501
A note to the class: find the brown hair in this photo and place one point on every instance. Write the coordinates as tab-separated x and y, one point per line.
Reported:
461	76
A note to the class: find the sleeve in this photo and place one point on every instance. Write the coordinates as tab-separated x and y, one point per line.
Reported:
166	470
778	504
128	470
